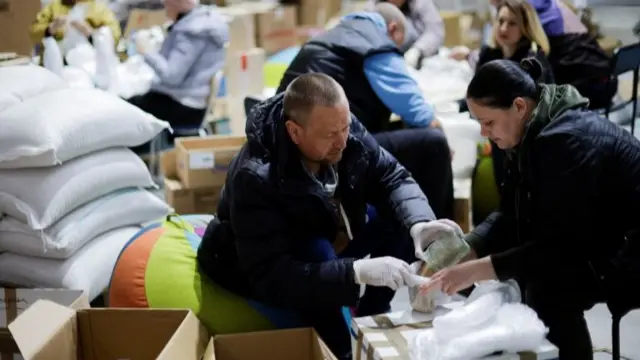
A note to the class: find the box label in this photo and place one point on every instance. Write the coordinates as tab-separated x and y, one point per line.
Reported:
202	160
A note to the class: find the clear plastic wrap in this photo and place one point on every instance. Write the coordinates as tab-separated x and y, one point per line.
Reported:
491	320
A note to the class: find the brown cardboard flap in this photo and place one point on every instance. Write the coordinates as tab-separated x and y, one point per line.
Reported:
188	342
210	351
45	331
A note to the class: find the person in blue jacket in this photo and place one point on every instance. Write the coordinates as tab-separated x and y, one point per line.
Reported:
293	229
362	54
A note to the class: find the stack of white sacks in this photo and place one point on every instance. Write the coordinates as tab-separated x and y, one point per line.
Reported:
71	192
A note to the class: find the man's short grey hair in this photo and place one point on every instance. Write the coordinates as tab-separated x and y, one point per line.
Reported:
310	90
391	14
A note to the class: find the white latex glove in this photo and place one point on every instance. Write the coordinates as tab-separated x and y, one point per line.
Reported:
383	271
423	233
412	56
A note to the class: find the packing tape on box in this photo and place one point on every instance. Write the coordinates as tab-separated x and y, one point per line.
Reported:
387	337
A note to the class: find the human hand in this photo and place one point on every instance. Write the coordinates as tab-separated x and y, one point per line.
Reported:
459	277
460	53
412	56
83	27
57	24
423	233
435	123
383	271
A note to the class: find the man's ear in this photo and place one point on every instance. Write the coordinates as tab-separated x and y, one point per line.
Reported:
294	130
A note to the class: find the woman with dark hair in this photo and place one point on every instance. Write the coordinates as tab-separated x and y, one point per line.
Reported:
565	227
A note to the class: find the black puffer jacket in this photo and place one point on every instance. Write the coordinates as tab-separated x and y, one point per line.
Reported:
570	197
270	207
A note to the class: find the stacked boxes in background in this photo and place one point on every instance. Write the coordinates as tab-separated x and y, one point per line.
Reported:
195	171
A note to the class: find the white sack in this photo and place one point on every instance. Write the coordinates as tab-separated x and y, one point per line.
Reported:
61	125
42	196
129	207
88	270
22	82
52	55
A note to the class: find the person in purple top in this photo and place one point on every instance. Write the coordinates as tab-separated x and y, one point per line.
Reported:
575	57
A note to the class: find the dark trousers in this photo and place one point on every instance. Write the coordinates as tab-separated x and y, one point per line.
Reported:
560	303
426	154
166	108
382	238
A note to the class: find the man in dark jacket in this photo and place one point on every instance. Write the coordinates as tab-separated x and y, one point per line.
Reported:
293	228
361	54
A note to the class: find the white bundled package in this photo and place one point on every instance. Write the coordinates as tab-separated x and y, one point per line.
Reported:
40	197
60	125
127	207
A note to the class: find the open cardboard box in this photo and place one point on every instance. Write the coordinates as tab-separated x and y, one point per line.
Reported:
203	161
294	344
14	301
47	330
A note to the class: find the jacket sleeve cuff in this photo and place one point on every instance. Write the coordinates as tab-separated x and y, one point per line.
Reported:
476	243
507	265
350	280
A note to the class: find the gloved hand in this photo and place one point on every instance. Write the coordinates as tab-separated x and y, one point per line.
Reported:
423	233
412	56
383	271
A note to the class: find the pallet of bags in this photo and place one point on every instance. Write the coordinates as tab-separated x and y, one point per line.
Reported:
72	193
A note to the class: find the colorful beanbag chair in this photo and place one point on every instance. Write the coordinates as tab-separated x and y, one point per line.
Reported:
158	269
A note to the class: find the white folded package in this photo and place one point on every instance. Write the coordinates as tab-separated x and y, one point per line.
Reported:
491	320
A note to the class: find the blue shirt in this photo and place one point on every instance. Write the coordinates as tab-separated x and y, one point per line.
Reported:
389	78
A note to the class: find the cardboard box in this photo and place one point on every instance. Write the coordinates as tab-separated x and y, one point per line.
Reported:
51	331
140	19
244	72
16	17
14	302
294	344
183	200
462	29
277	29
386	337
242	28
203	161
317	13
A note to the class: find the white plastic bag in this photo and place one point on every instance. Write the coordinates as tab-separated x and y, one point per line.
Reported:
72	36
490	321
52	55
134	77
106	59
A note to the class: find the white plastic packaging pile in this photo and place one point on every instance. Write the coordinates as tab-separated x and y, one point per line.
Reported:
97	65
71	192
491	320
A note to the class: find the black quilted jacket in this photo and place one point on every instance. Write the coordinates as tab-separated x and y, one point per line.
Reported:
270	207
570	197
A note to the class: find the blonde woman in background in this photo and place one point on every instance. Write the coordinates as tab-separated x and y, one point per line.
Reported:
517	34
